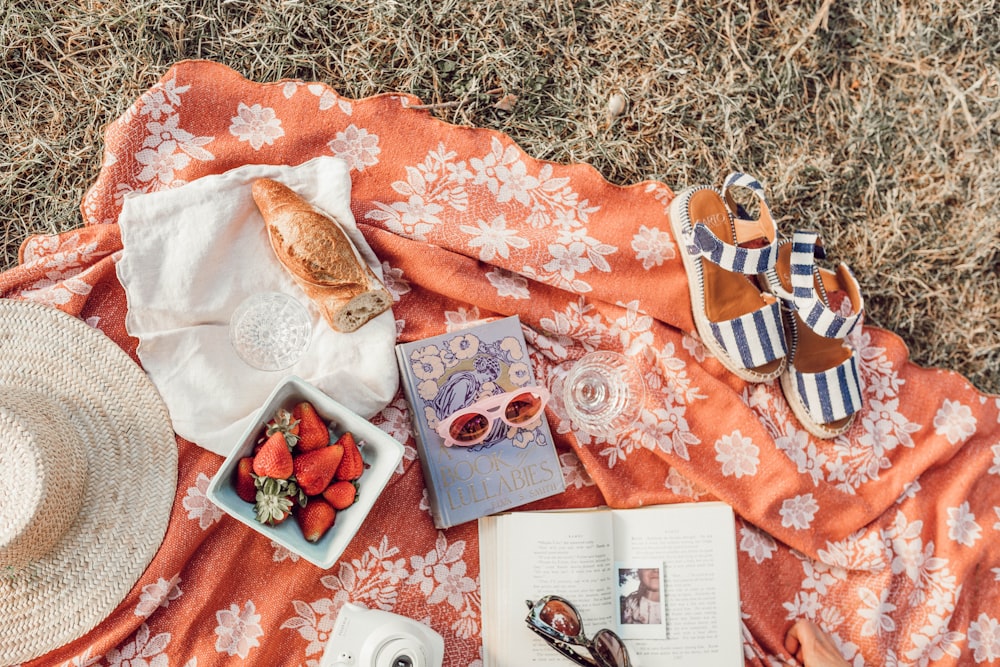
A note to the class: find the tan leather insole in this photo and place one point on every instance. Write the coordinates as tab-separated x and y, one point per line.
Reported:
728	295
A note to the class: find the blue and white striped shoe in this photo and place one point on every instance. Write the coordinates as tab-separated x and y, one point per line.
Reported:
723	254
822	382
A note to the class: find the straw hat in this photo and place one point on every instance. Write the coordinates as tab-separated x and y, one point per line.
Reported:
88	471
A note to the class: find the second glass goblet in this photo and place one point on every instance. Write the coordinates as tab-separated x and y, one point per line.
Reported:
601	393
270	331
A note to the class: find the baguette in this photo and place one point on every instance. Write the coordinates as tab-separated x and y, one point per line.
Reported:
314	249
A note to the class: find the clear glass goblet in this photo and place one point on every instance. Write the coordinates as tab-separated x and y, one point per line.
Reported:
270	331
601	393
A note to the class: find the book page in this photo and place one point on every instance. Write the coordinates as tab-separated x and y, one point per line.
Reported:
694	545
542	553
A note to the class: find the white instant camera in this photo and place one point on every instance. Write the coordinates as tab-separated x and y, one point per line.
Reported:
372	638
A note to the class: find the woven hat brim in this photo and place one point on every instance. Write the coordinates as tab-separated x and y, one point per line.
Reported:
131	482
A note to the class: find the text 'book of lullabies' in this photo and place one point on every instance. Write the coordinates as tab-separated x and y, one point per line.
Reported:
663	578
501	454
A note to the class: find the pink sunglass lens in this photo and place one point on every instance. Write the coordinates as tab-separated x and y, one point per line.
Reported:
523	408
468	428
610	648
560	617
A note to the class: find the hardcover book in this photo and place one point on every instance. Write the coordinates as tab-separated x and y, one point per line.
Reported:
512	465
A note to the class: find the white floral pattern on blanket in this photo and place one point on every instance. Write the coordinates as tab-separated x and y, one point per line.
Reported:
892	591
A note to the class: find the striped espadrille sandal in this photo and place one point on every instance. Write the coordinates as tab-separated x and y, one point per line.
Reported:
723	253
822	382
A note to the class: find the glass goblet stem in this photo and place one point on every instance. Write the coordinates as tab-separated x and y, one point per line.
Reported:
602	393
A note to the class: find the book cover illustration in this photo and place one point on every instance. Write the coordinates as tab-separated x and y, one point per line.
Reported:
512	465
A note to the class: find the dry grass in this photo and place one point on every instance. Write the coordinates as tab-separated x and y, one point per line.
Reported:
875	122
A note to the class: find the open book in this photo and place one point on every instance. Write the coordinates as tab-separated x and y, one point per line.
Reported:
609	564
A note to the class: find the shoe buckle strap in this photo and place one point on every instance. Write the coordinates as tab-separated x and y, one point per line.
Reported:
738	179
804	276
748	229
749	261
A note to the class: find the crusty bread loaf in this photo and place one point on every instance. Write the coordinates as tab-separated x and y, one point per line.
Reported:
314	249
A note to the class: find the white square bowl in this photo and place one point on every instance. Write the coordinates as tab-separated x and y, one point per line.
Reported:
381	452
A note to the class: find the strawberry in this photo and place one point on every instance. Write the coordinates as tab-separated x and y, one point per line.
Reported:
274	459
246	487
352	465
341	494
284	422
315	519
315	469
274	510
312	430
274	500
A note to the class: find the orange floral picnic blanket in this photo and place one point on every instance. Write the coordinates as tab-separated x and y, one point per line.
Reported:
888	537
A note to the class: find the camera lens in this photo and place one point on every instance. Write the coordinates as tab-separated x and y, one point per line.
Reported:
400	651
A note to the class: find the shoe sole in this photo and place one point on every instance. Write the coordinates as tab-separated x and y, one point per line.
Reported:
678	218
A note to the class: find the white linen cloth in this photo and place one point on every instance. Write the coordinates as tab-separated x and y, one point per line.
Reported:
191	255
